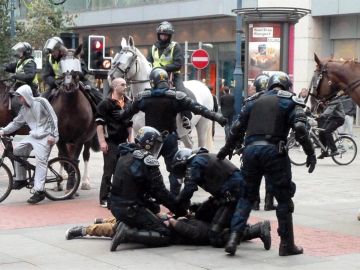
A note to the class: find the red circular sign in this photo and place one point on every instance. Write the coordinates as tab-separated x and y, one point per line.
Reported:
200	59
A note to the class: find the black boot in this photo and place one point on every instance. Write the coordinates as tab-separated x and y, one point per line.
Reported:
256	205
37	197
119	236
78	231
269	202
232	243
259	230
287	246
125	234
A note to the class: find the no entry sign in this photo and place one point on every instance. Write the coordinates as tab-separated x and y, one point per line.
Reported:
200	59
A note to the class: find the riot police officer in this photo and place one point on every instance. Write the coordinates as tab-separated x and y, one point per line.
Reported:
167	54
137	178
24	68
266	120
261	84
161	105
224	182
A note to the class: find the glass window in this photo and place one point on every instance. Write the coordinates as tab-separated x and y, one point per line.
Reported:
345	49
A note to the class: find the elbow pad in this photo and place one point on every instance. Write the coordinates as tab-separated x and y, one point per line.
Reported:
303	138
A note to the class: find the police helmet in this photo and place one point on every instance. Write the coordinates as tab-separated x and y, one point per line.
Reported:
159	78
149	139
280	79
261	82
21	49
179	161
165	28
53	44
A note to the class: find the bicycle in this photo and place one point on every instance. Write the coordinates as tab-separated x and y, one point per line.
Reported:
61	172
345	145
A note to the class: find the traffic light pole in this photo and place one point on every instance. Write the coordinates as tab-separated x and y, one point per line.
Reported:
238	72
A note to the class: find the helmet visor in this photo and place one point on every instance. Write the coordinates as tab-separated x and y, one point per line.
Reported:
51	45
18	49
155	150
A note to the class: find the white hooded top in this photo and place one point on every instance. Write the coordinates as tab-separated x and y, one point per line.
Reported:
39	116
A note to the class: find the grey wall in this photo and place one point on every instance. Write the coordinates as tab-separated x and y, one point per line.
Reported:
334	7
168	11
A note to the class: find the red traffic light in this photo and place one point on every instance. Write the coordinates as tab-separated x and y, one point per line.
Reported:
98	45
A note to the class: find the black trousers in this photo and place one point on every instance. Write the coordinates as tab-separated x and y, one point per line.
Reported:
110	159
329	126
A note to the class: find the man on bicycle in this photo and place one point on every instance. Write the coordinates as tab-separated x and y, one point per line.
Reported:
38	114
332	118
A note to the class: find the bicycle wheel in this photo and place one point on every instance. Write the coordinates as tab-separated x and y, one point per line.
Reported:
296	153
6	182
62	179
347	148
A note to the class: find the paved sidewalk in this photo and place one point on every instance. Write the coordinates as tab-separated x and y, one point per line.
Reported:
326	205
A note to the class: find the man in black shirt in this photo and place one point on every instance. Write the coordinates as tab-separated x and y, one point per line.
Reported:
112	132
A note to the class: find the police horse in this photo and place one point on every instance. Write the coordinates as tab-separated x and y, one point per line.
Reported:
132	65
75	115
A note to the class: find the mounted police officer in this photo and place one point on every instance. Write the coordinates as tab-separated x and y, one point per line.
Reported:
56	50
137	180
24	68
261	84
161	105
224	182
168	54
266	120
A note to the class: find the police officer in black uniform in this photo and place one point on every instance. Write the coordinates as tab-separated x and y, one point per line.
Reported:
137	179
266	120
161	105
224	182
261	84
24	68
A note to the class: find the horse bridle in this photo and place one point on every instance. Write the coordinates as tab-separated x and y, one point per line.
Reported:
324	72
126	70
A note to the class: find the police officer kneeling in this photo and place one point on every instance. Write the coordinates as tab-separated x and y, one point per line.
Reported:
137	180
266	120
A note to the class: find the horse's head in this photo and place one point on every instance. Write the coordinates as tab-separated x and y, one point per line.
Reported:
332	76
124	63
70	67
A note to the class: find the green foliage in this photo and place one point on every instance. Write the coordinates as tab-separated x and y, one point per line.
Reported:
43	20
4	32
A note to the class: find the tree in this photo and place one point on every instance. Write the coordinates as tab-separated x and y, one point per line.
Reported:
43	20
4	32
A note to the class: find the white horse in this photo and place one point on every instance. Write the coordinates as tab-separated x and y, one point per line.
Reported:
132	65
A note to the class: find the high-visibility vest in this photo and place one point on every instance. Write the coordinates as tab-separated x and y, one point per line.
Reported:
55	66
166	57
20	69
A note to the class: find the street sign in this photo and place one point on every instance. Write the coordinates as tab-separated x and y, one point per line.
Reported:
200	59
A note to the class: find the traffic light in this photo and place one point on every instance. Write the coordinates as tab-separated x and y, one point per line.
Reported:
96	58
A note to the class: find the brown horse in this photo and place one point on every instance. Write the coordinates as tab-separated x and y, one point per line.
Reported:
333	76
75	116
6	115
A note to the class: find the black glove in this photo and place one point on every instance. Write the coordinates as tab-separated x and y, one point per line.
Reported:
311	162
117	115
224	151
220	119
186	122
